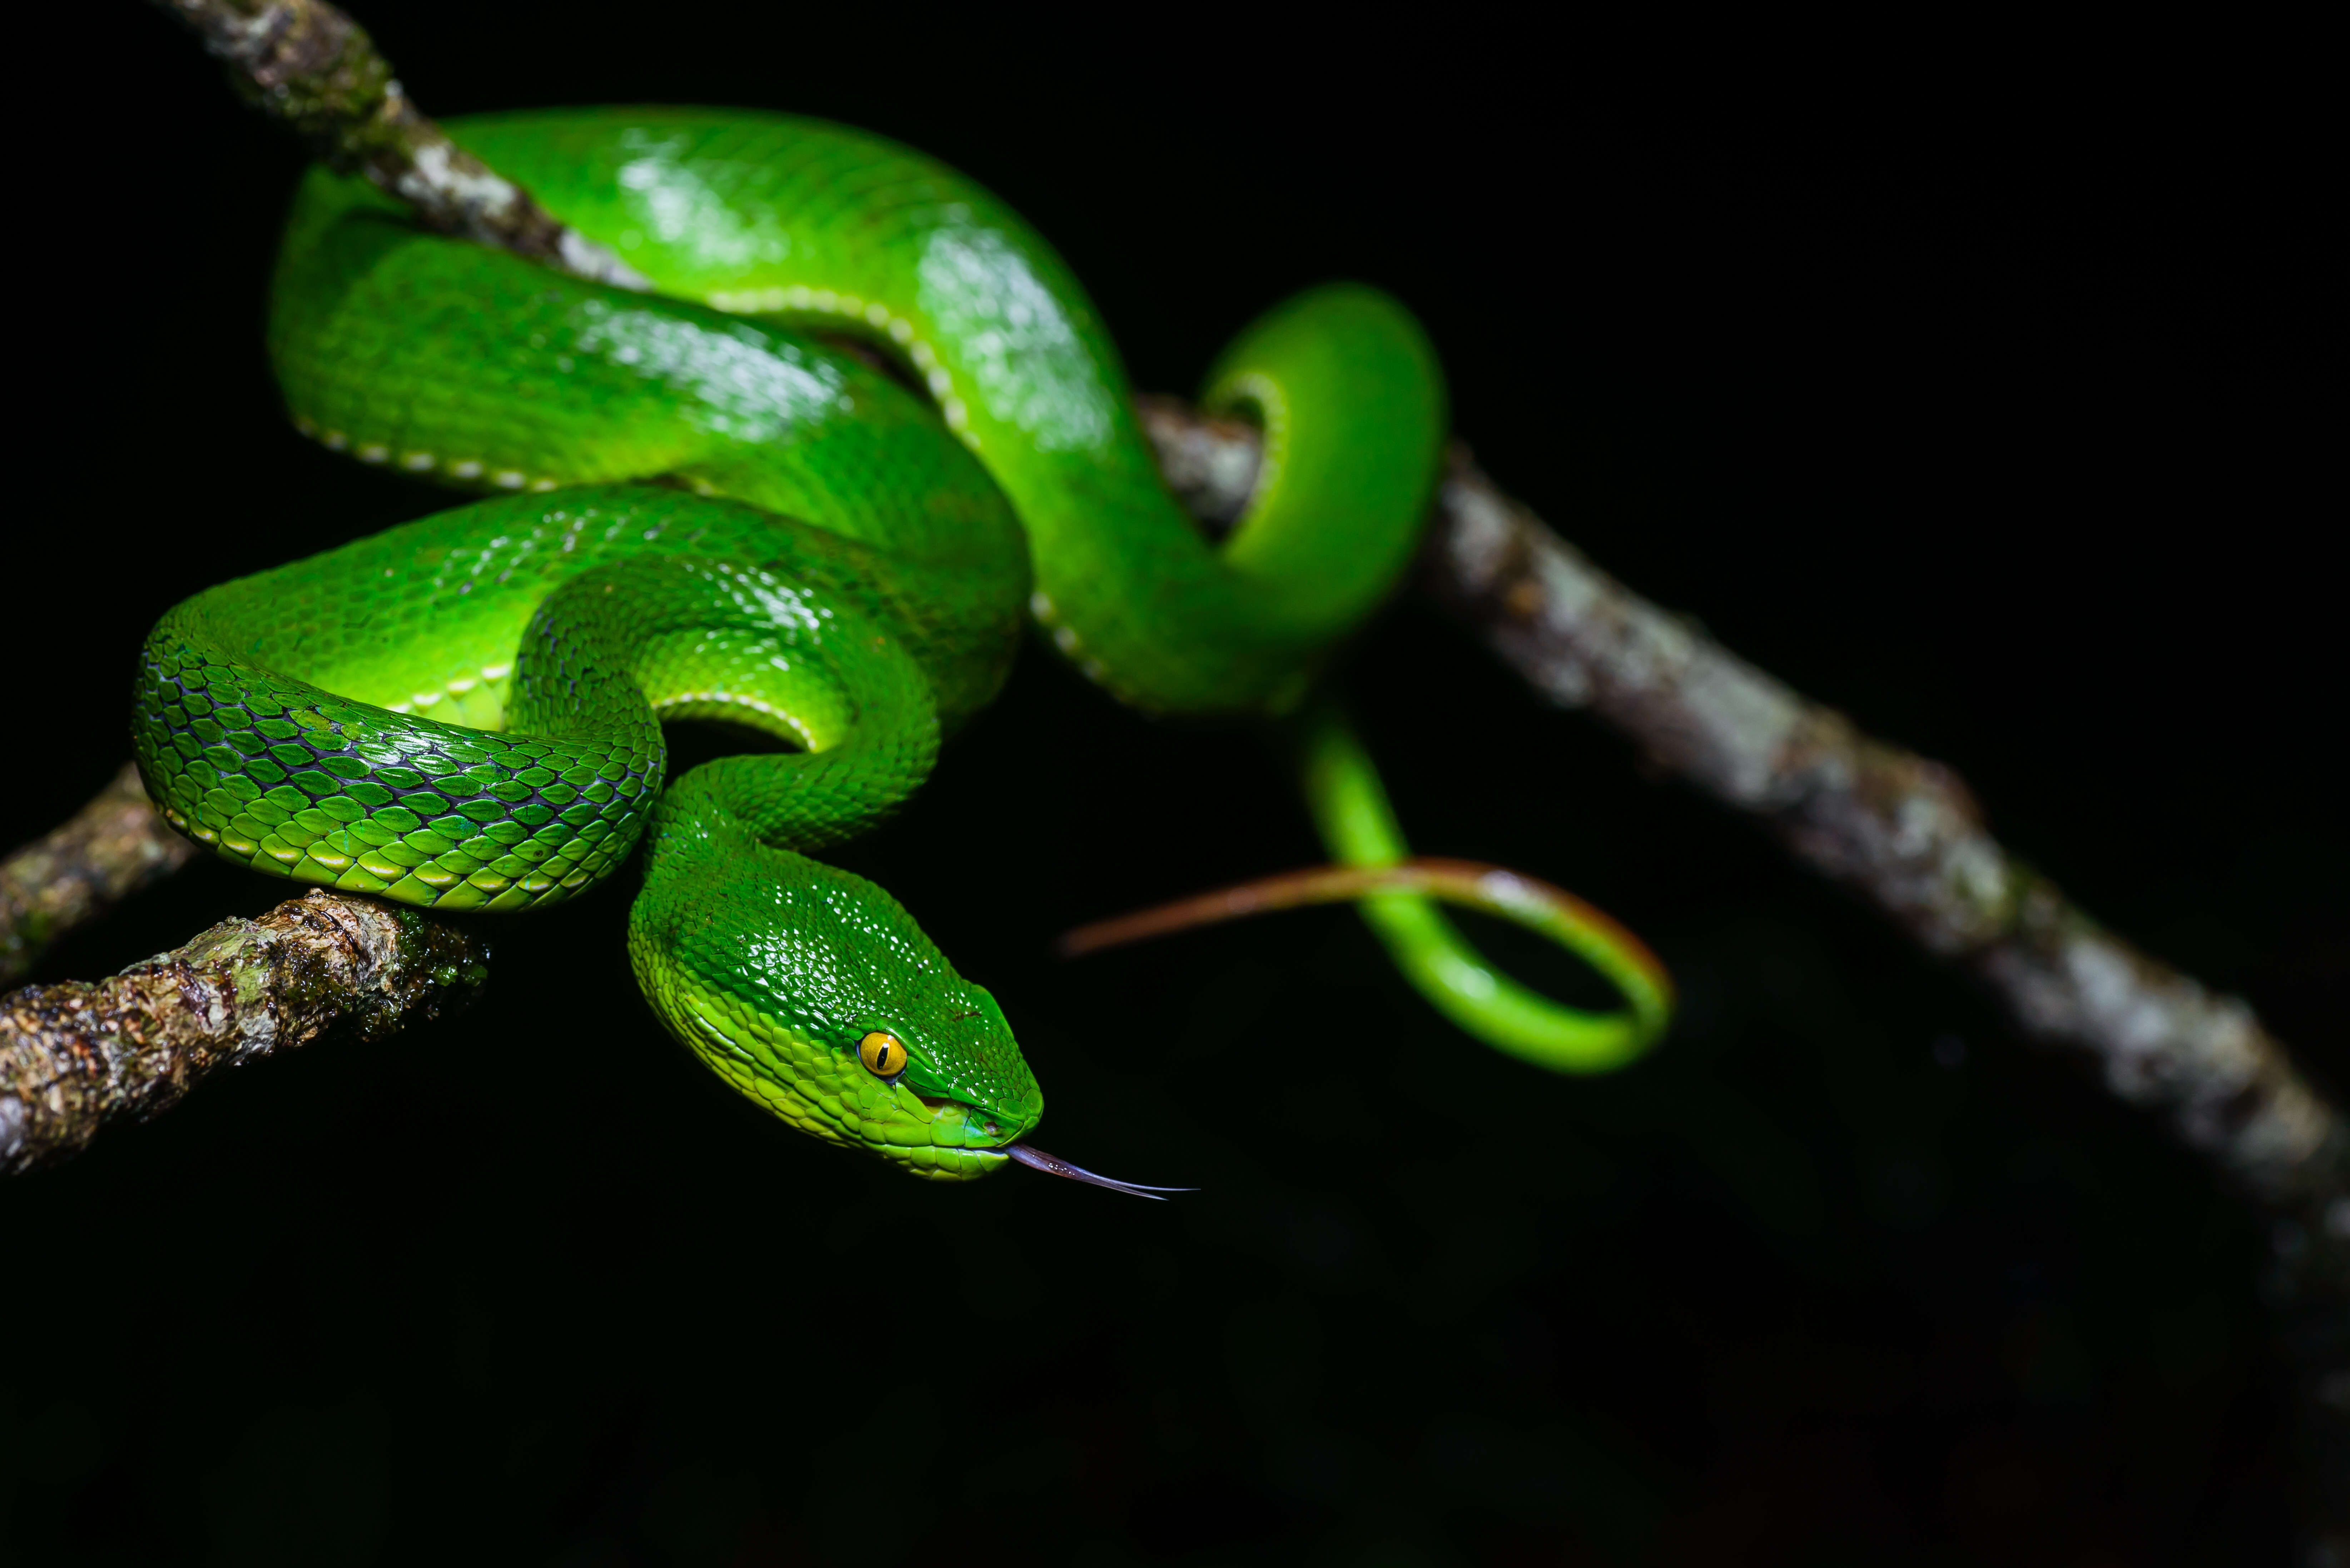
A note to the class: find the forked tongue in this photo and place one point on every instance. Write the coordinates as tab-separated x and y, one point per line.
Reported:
1037	1160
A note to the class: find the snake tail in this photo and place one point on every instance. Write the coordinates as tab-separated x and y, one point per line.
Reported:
1399	894
1350	809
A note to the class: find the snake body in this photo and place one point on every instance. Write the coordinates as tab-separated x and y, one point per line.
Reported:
864	424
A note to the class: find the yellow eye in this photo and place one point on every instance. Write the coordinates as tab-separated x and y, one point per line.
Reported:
883	1053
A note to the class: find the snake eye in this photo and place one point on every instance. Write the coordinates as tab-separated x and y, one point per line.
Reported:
883	1053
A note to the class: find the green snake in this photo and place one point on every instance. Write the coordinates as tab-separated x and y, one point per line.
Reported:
862	428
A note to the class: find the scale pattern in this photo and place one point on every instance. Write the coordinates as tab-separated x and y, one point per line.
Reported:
279	775
707	512
482	370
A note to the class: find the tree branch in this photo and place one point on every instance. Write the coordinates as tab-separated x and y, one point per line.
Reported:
113	847
76	1056
1905	833
1901	831
309	65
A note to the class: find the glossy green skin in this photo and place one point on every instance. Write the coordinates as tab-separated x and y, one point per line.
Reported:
465	712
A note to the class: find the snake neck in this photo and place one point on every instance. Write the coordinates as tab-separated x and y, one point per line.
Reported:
630	643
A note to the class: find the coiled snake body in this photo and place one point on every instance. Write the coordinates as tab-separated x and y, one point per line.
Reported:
701	509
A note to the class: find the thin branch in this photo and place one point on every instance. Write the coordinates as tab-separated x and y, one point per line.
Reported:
310	66
76	1056
1900	830
113	847
1210	462
1905	833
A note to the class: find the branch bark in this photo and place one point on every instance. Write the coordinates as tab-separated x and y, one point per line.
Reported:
113	847
1901	831
308	64
1905	833
75	1056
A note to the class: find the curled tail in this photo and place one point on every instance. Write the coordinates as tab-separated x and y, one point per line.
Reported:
1399	894
1350	809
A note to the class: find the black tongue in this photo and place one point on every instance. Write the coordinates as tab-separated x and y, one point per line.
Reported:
1037	1160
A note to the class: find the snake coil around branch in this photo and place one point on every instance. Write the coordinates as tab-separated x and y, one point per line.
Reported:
1899	831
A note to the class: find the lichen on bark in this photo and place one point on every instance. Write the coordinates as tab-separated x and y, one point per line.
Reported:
77	1055
113	847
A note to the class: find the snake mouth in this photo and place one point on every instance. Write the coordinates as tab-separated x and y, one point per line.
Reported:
1051	1165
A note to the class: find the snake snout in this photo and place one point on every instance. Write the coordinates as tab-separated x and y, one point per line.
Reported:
977	1118
963	1125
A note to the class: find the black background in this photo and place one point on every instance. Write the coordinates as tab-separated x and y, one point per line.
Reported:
1976	405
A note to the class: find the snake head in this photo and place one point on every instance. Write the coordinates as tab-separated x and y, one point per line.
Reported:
813	992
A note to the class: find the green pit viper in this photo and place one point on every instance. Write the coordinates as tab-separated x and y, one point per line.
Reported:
705	503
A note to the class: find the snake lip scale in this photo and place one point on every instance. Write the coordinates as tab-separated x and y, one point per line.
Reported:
701	507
